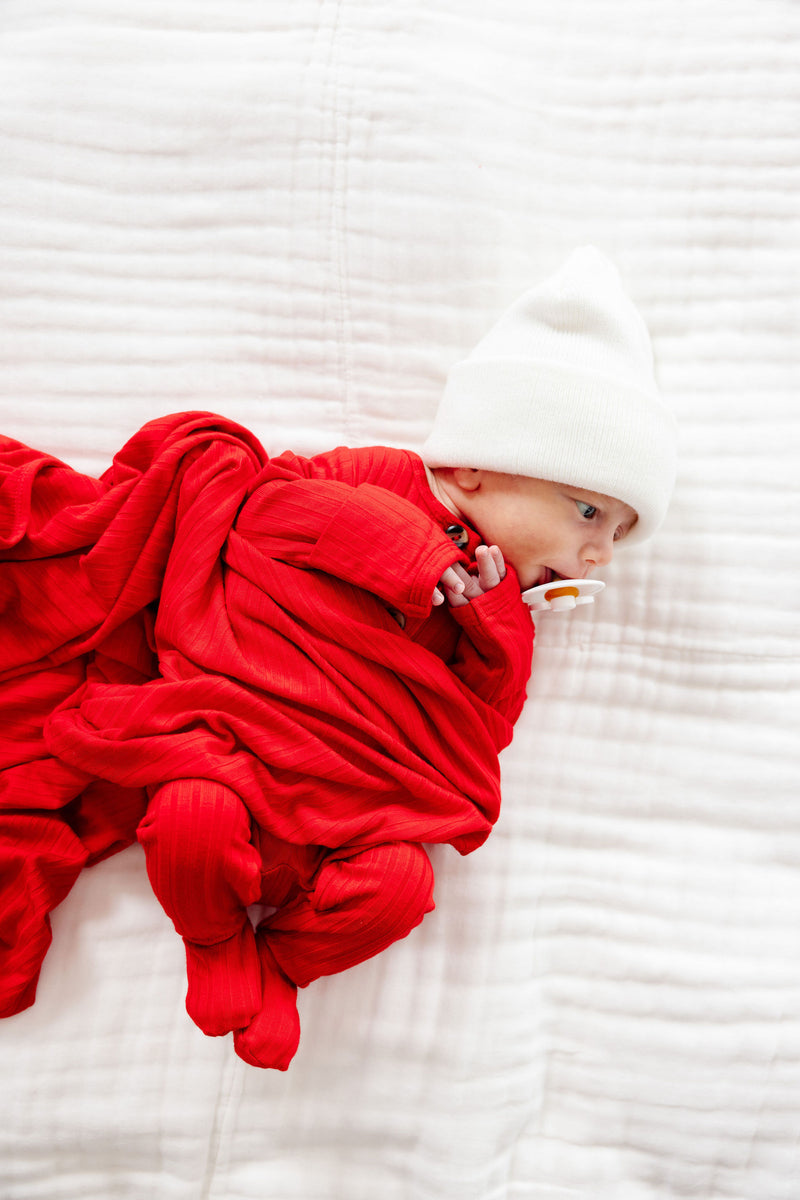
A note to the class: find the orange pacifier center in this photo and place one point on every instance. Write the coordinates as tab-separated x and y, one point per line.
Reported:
553	593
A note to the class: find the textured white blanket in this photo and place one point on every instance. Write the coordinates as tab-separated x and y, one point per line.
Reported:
299	214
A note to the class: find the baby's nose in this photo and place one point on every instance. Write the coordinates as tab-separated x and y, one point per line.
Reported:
598	553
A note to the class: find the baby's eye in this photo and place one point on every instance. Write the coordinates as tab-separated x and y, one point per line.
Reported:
586	510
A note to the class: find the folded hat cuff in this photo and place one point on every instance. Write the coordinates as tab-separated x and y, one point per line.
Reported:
545	421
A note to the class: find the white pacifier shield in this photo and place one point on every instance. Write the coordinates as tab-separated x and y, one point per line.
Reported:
562	594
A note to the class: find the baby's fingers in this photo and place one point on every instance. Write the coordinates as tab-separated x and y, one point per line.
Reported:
450	586
500	562
491	566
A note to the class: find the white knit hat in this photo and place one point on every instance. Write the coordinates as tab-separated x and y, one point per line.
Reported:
562	388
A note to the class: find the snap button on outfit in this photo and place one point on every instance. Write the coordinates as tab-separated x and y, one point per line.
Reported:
459	535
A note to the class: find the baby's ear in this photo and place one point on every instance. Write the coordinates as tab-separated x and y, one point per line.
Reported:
469	479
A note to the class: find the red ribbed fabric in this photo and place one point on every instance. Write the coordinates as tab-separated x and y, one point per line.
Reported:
214	629
40	859
358	907
206	871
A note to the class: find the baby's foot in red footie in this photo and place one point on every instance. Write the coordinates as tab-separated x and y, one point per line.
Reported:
271	1038
224	982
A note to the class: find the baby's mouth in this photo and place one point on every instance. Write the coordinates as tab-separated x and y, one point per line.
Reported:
549	575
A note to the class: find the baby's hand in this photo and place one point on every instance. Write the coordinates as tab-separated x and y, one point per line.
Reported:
458	586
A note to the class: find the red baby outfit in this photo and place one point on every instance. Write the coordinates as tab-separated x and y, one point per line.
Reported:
212	636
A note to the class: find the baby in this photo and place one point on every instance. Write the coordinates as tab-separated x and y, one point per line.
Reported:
286	675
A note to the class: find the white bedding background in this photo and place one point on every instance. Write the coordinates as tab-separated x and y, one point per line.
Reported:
299	214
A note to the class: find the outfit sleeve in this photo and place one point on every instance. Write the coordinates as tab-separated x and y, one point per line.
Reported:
493	655
361	533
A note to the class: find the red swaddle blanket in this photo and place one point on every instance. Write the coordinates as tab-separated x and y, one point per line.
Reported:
205	613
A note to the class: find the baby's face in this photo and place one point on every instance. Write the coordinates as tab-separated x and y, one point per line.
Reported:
544	529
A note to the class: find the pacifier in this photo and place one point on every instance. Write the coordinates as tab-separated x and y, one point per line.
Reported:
562	594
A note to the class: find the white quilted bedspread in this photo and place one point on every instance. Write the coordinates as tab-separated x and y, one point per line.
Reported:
299	214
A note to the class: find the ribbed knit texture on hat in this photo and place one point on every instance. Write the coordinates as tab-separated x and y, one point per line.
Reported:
563	388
